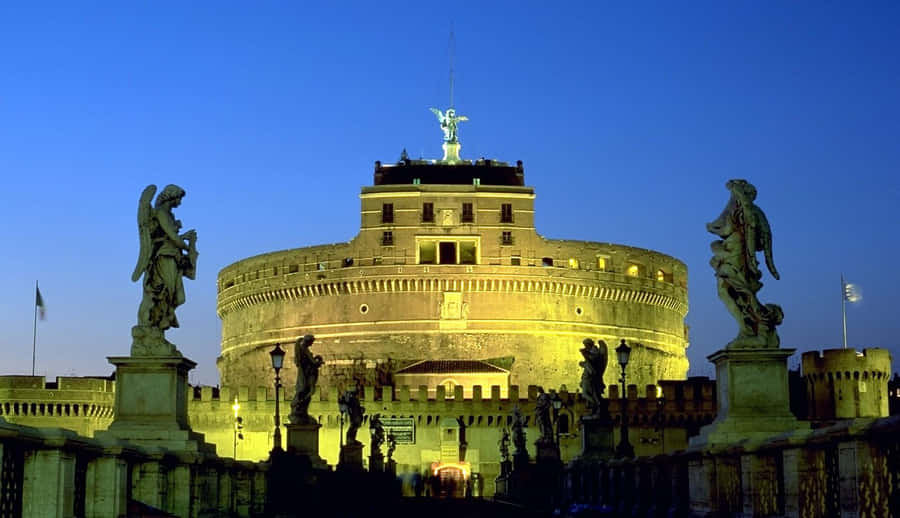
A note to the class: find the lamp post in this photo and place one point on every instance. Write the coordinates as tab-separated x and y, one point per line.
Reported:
277	361
238	425
624	448
557	403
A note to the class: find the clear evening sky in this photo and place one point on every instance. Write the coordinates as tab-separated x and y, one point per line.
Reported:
629	121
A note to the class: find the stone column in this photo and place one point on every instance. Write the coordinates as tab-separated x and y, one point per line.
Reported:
805	484
715	485
865	486
180	480
149	483
226	490
48	487
759	483
106	486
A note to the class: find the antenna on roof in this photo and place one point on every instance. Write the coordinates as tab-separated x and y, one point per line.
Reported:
452	51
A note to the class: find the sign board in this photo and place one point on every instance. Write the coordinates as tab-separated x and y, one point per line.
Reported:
403	428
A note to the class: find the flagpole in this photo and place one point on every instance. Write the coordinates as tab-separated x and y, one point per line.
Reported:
34	333
844	308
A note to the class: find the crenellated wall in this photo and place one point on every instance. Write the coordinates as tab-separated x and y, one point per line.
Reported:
845	384
658	424
82	405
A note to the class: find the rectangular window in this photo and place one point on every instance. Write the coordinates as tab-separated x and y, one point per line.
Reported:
515	260
468	215
447	252
506	214
506	238
377	260
547	261
427	252
387	238
428	212
387	213
467	252
601	264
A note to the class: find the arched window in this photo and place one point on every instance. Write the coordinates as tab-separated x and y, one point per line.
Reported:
633	270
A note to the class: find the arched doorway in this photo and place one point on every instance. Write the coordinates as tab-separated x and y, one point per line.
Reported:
452	478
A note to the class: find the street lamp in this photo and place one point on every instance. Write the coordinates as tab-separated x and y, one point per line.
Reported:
624	448
557	403
238	425
277	361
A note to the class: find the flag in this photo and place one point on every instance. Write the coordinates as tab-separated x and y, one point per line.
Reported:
852	292
39	303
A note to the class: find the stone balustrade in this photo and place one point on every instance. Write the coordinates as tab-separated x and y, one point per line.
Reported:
847	469
53	472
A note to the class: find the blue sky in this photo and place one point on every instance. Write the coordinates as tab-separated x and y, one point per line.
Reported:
629	119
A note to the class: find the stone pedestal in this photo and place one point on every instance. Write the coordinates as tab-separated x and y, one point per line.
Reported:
596	438
753	400
451	152
376	463
351	457
151	404
303	441
547	452
520	460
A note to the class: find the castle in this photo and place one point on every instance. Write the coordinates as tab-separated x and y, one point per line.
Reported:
448	309
448	266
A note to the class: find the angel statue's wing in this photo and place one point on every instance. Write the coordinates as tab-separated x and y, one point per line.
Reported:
143	217
764	240
439	113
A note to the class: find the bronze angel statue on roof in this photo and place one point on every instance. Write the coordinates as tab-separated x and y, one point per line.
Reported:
745	231
449	122
165	257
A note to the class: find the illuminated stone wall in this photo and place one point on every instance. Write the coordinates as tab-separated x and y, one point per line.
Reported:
369	301
845	384
82	405
657	424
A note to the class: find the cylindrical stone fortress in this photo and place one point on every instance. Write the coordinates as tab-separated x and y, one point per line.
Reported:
846	384
447	265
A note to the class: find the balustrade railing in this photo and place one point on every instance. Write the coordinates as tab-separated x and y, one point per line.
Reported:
55	472
850	468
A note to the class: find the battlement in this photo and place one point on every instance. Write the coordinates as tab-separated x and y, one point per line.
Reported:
62	383
835	363
692	390
845	384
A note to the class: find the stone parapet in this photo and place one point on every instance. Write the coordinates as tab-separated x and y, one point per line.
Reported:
59	473
841	470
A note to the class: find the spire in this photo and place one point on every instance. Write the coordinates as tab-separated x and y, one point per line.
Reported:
452	52
449	120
